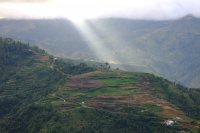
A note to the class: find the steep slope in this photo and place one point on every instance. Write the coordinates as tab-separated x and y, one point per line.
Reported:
40	93
168	48
58	36
27	75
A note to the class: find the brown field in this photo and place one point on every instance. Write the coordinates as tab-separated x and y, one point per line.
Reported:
83	83
142	97
43	58
168	110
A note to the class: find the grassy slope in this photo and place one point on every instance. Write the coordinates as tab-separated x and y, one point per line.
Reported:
36	96
133	97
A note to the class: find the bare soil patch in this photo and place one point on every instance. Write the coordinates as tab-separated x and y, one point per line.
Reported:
139	99
43	58
84	83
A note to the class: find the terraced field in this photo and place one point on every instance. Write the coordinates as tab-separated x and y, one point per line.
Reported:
117	92
43	94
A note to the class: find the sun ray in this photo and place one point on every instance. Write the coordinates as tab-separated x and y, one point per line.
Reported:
96	43
123	50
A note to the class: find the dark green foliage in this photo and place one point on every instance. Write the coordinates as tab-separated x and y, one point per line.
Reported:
70	68
24	80
87	120
12	52
185	98
29	118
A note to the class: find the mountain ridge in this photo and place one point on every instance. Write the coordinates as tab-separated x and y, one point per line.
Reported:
169	48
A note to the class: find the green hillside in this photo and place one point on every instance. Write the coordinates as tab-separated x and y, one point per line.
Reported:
40	93
167	48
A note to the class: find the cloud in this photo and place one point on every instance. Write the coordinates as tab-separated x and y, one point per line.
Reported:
158	9
23	1
137	9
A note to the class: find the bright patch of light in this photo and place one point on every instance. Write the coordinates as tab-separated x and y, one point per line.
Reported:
78	10
96	44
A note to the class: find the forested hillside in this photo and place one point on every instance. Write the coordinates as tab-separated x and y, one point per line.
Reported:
41	93
168	48
27	75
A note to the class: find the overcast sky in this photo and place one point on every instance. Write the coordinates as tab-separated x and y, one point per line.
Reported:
80	9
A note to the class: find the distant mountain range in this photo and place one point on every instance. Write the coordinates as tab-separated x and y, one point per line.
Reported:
167	48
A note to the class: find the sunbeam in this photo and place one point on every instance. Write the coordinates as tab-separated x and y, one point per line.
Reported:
96	44
109	45
116	45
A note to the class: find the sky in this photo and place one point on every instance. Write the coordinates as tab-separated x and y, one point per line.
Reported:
85	9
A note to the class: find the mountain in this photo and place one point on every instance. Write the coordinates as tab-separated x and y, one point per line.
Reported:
42	93
58	36
166	48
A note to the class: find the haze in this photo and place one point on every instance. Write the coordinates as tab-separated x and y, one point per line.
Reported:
77	10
